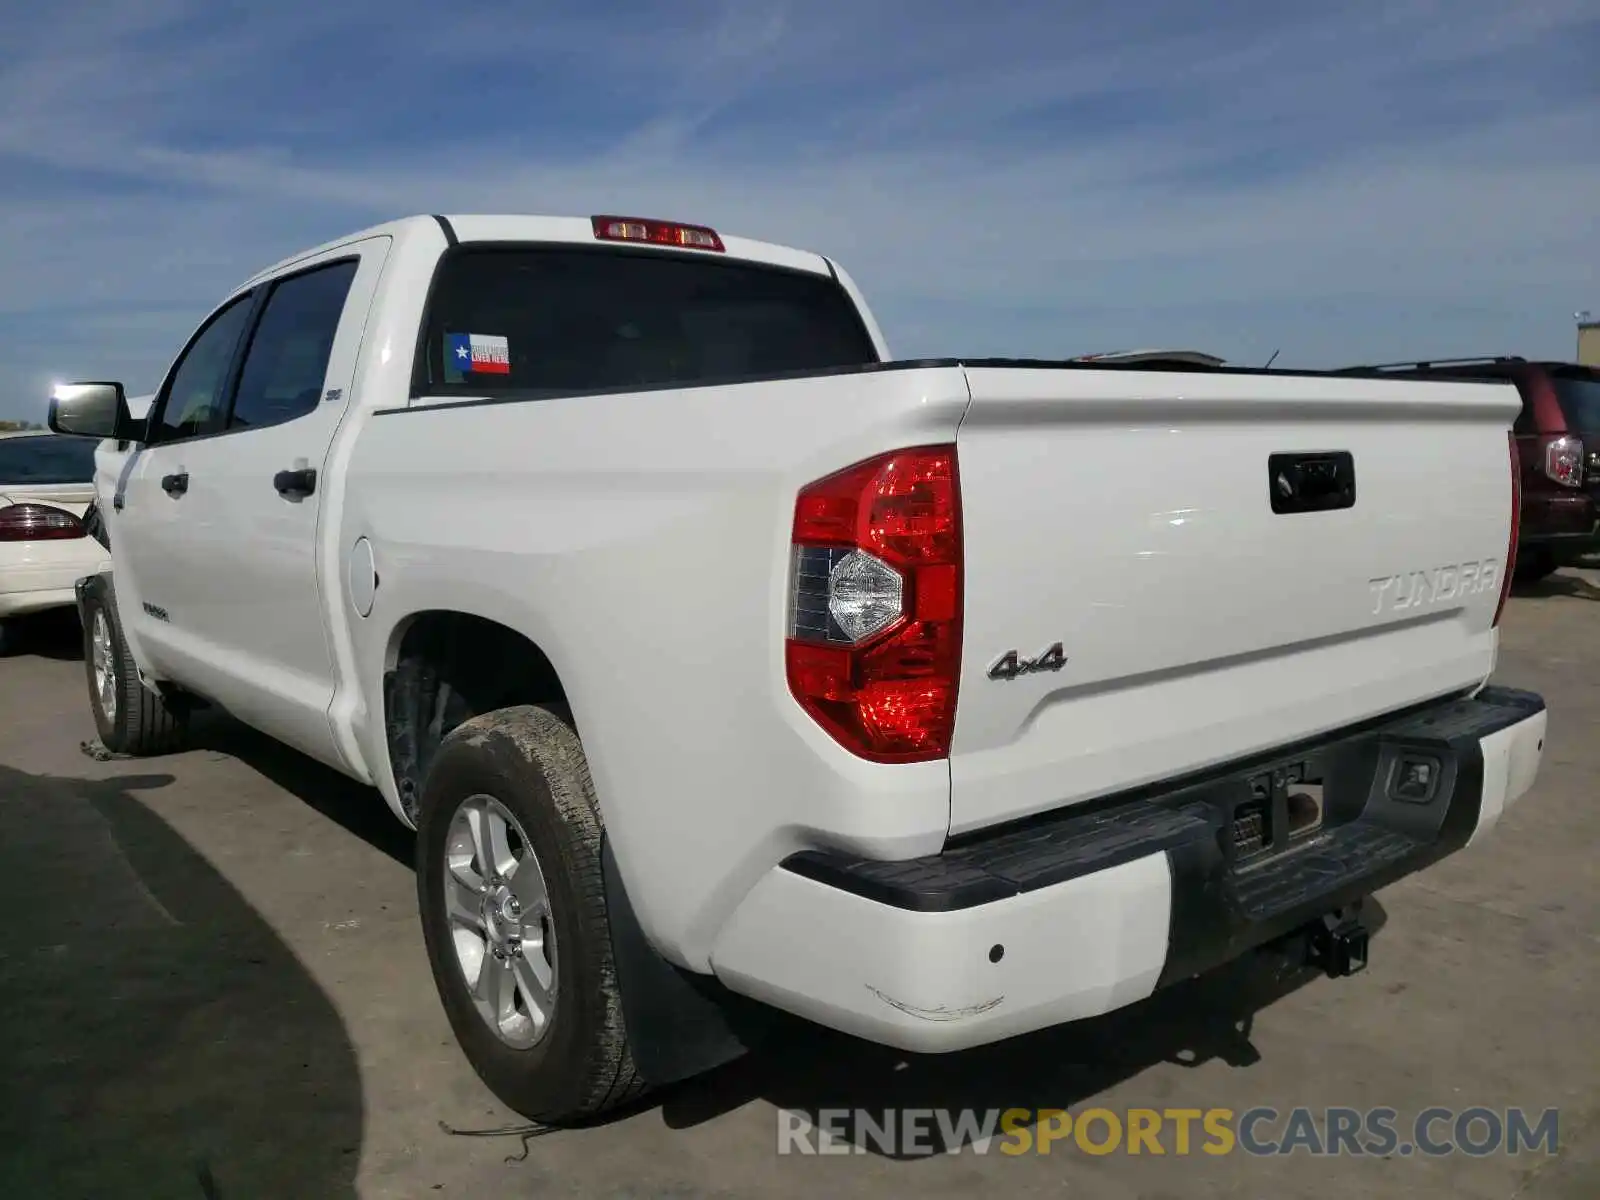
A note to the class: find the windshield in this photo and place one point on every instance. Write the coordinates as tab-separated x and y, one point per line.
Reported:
1579	396
46	459
562	321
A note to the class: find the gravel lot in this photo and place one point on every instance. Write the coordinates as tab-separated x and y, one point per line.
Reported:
213	983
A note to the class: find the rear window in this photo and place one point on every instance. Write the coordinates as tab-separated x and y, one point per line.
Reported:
555	321
46	459
1579	397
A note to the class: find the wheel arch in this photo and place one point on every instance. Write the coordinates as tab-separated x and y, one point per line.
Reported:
683	1024
443	666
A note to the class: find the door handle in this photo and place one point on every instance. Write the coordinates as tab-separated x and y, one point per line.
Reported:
175	485
295	484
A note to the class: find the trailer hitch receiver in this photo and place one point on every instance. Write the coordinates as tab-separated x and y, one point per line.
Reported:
1337	944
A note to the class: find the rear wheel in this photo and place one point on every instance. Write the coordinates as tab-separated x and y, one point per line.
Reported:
513	913
130	718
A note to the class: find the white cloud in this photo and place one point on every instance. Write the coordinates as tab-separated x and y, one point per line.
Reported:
1343	184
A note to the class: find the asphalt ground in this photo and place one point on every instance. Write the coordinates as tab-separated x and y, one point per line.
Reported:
212	983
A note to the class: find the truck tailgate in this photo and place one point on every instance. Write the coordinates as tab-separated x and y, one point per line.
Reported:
1129	516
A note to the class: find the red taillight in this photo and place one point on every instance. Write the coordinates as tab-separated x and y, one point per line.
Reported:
874	637
38	523
1563	461
661	233
1516	524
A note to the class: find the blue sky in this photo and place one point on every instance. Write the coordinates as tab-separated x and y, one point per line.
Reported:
1039	177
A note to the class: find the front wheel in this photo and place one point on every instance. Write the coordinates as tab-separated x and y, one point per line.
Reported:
130	718
514	915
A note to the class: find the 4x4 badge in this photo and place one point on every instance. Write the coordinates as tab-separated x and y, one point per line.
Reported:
1012	664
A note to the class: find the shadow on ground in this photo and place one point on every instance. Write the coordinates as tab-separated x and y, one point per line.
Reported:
1562	583
158	1039
356	807
806	1070
55	633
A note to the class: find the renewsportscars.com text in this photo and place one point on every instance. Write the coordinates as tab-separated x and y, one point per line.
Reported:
1319	1132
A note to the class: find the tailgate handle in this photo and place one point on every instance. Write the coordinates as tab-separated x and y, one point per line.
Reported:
1301	483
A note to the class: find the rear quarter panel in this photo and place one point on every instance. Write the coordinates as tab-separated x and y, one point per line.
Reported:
641	541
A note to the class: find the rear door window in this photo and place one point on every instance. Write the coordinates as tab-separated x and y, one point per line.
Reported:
287	361
1578	393
552	321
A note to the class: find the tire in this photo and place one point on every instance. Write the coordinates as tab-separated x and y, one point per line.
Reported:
129	717
8	638
528	761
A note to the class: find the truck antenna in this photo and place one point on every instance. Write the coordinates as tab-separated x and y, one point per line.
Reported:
1274	358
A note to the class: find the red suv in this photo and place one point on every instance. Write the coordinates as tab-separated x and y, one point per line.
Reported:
1558	433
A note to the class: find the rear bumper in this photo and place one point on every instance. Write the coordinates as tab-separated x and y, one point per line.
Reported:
45	574
1085	911
19	604
1565	548
38	589
1565	524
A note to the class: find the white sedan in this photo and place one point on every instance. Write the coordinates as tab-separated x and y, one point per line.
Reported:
46	482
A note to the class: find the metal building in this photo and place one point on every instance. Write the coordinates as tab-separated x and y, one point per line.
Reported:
1588	340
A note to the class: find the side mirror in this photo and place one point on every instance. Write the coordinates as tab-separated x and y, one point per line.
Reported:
96	410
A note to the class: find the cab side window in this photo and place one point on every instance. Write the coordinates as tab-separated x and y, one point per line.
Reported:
287	361
194	399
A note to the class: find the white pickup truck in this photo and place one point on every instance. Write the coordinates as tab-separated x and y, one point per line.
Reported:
725	665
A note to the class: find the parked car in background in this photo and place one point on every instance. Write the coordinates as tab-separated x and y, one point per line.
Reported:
46	482
49	526
1558	438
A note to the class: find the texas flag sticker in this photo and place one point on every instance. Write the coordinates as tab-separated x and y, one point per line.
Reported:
475	354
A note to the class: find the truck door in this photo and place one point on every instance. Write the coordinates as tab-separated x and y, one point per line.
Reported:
227	502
